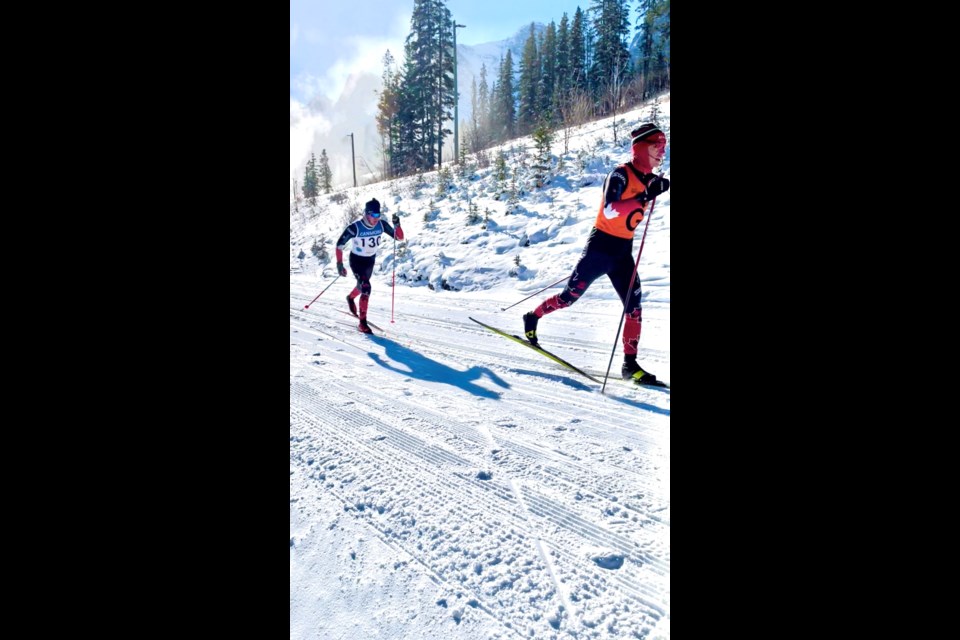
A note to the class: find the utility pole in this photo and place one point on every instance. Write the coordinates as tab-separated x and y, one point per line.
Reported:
353	159
456	92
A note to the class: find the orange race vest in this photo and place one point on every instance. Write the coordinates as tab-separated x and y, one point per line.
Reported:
626	215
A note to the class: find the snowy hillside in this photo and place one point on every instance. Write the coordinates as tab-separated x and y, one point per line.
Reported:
546	228
446	482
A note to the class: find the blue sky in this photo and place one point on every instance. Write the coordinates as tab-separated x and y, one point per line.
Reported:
328	41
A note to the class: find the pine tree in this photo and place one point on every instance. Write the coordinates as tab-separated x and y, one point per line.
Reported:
407	153
324	173
483	104
542	140
653	25
577	52
311	183
500	170
611	60
503	112
387	109
416	135
319	249
427	98
562	64
548	75
528	84
473	213
473	135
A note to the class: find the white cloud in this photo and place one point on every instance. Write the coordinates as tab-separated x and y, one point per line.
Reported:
306	84
304	126
364	54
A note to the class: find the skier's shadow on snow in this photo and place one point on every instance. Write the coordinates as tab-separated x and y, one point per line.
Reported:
423	368
641	405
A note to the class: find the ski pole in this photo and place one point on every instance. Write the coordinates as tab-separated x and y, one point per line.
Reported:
627	297
533	294
307	306
393	293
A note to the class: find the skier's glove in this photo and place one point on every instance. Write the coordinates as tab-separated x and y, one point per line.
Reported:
396	220
341	269
655	187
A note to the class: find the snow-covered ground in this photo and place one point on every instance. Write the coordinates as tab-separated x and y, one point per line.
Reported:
446	482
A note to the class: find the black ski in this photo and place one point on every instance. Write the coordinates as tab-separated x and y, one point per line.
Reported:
538	349
368	322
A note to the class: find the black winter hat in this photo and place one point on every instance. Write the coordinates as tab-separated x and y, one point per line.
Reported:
644	131
372	207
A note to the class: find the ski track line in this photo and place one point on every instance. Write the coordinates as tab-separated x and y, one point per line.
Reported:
543	507
415	447
589	479
312	328
535	455
445	348
539	455
631	585
601	422
594	484
532	451
561	590
585	477
432	573
515	364
440	565
588	530
438	490
578	526
432	487
612	413
511	359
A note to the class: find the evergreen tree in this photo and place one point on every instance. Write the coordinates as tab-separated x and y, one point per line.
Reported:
426	96
500	169
548	75
503	112
311	182
324	173
473	135
407	154
528	84
387	109
611	60
562	59
577	53
483	104
319	249
422	58
653	25
542	140
446	92
562	82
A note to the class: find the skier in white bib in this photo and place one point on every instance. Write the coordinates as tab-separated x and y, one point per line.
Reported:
365	234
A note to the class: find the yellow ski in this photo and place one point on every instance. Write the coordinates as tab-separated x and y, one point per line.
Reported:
538	349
